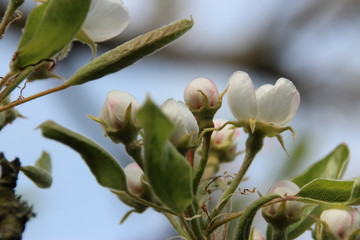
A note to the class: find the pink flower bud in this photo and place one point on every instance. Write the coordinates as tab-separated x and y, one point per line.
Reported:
113	113
133	178
340	222
201	92
224	142
256	235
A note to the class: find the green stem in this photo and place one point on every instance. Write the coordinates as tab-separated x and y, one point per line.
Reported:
176	225
187	228
149	204
7	19
279	233
195	223
12	80
215	224
203	161
134	151
254	144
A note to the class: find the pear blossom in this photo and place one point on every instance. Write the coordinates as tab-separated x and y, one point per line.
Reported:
340	222
286	212
184	121
105	19
113	113
133	175
272	104
201	91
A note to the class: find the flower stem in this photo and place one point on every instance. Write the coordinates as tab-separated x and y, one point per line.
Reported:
40	94
279	234
254	144
203	161
188	229
7	19
176	225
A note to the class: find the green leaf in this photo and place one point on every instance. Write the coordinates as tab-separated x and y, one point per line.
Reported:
32	24
166	169
332	166
304	224
331	191
105	168
59	22
130	52
244	225
40	174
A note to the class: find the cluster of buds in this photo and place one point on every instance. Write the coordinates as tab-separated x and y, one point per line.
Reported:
338	224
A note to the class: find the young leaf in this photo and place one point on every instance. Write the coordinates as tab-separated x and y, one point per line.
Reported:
331	191
105	168
58	25
244	225
129	52
166	169
332	166
40	174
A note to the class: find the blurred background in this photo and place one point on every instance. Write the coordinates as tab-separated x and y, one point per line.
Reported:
315	44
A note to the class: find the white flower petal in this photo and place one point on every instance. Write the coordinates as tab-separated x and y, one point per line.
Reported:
277	104
184	121
105	19
241	96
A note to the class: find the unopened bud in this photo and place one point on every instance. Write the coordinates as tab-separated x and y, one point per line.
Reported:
224	142
118	116
134	182
339	223
186	128
201	92
256	235
284	213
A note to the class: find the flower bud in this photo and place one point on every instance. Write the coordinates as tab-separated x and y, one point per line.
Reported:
338	224
224	142
284	213
134	182
202	97
201	92
186	128
118	116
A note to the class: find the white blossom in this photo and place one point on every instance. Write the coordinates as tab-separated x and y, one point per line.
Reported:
273	104
105	19
184	121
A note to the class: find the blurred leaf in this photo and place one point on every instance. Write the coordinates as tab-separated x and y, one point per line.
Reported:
245	222
331	191
305	222
32	24
40	174
296	159
332	166
59	22
107	171
167	170
129	52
